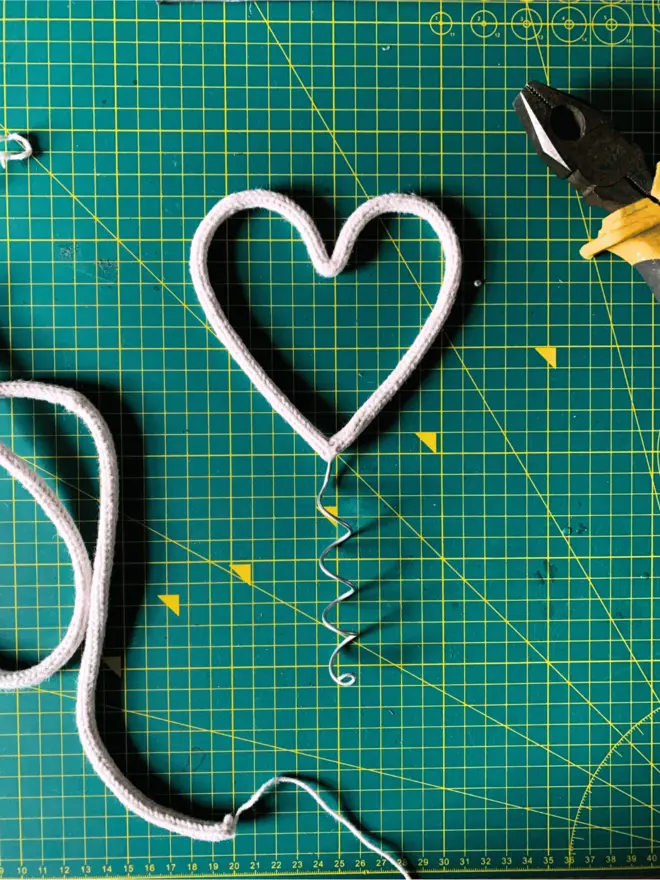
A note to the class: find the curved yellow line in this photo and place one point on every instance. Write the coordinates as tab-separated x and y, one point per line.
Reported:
594	775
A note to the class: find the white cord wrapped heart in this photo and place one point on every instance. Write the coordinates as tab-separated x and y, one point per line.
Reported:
329	267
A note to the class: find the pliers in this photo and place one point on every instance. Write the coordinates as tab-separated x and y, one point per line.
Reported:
580	144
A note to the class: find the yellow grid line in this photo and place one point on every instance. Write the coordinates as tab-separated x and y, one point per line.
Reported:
121	244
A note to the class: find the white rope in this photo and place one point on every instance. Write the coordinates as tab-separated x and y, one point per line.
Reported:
88	622
7	156
328	267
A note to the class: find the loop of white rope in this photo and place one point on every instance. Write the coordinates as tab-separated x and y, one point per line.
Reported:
88	622
9	156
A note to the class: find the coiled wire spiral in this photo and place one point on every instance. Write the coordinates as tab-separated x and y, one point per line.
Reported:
346	679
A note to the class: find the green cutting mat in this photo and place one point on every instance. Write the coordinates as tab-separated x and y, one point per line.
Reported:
505	717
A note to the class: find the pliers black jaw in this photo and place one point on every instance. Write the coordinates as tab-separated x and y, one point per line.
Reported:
580	144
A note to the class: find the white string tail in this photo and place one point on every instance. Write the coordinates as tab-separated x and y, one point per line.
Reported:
328	267
339	819
8	156
346	679
88	622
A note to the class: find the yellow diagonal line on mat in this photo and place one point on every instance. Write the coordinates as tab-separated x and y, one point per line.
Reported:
451	345
315	756
294	608
492	607
544	65
649	462
624	371
399	515
385	660
182	302
524	736
117	239
594	776
185	547
113	235
273	596
560	531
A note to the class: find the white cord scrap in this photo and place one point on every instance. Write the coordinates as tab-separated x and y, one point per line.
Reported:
329	266
88	621
8	156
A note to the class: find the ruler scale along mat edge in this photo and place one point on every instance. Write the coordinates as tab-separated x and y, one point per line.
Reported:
505	718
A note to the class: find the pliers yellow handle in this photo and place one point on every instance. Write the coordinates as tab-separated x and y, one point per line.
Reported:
633	233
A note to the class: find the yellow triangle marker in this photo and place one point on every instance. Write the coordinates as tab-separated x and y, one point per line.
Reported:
333	509
244	572
113	664
429	439
171	600
549	354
